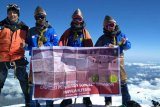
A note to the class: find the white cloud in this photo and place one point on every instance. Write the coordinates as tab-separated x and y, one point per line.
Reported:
133	80
144	65
138	64
141	74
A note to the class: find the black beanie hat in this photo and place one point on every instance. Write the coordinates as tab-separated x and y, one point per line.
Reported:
13	7
40	10
108	19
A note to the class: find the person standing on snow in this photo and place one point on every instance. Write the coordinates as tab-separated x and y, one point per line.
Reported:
12	54
43	34
114	37
76	36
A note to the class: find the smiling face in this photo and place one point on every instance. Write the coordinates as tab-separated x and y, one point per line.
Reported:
12	16
110	26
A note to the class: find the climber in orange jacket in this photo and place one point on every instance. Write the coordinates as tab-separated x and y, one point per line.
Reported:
12	54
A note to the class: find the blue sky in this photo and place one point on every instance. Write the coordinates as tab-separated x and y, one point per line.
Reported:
138	19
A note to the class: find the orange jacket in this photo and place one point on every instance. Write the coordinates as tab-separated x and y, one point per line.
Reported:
87	38
12	41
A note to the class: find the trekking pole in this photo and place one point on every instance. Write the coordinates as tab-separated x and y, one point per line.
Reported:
75	102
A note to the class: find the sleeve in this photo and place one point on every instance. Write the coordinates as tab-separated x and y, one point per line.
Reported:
63	40
87	39
54	38
29	42
99	42
27	36
127	45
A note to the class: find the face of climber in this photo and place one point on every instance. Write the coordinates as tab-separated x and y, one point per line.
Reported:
77	20
110	26
12	16
40	19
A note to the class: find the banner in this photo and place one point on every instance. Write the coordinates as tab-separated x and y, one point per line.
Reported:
65	72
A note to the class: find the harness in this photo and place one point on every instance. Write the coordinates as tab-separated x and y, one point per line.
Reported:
16	64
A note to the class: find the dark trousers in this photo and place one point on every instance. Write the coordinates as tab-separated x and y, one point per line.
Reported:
125	94
85	99
49	103
21	75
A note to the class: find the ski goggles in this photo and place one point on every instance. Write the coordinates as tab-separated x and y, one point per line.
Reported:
77	19
110	25
13	6
38	17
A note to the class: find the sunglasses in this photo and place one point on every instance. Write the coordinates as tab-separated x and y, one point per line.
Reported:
40	17
110	25
13	6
